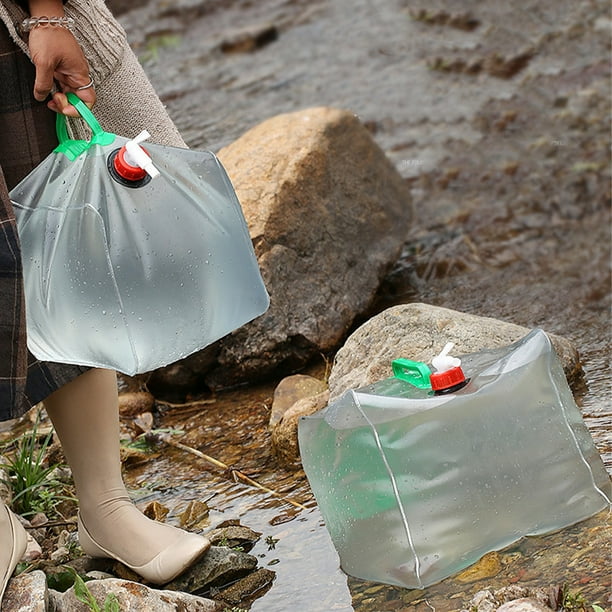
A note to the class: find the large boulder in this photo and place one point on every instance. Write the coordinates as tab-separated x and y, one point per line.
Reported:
327	213
419	332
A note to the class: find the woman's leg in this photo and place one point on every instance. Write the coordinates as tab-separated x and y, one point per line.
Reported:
85	416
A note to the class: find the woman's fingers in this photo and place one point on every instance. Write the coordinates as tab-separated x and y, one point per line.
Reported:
61	66
59	102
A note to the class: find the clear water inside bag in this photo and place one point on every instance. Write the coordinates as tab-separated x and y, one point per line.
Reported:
133	278
415	487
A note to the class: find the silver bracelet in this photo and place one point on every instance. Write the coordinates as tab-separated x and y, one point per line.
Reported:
27	25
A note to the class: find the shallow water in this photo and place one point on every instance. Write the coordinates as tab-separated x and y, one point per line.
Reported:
499	122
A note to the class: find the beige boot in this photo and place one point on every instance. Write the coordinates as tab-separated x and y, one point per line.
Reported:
13	540
86	419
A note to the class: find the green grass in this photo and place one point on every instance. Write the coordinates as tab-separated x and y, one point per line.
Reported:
31	481
575	601
64	580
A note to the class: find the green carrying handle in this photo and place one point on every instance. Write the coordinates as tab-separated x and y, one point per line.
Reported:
73	148
417	373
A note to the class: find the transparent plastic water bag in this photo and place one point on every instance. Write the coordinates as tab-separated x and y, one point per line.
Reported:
128	267
414	487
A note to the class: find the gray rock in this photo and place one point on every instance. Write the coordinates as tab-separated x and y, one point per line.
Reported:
219	566
26	593
419	332
255	582
249	39
524	604
316	191
232	536
130	596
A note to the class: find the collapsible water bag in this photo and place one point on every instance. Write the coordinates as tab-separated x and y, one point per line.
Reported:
132	258
415	485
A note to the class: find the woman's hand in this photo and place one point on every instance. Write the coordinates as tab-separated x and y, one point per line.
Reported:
59	62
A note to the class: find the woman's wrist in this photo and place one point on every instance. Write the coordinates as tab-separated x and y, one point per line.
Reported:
46	14
31	23
48	8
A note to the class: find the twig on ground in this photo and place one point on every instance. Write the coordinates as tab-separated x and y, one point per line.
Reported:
236	474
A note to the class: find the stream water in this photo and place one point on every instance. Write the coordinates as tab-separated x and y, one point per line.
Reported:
498	116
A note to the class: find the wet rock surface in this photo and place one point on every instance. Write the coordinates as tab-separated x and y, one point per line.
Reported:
284	433
220	566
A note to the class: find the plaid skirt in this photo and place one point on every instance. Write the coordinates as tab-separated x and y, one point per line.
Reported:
27	130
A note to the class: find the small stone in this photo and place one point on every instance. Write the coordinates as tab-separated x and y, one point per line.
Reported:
290	390
39	519
195	513
60	555
144	422
483	601
233	536
156	511
284	434
33	550
27	592
132	456
135	402
249	40
98	575
247	586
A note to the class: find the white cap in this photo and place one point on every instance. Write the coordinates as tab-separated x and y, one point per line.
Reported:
444	362
135	155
